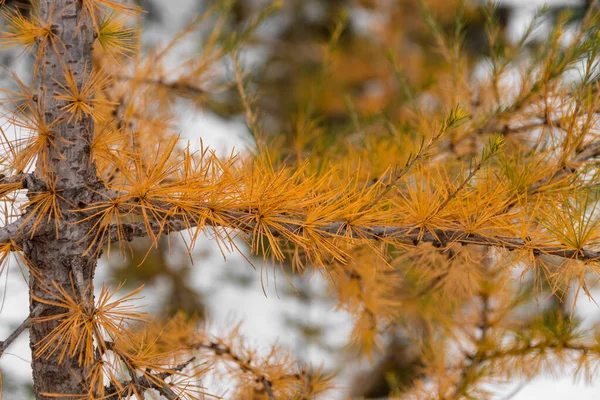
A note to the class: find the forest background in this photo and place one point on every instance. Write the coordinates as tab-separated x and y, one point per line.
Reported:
226	291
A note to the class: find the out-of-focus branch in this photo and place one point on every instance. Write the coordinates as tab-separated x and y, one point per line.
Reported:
474	360
144	383
223	350
507	129
179	86
592	150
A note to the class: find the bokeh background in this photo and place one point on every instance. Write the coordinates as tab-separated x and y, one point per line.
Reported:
284	59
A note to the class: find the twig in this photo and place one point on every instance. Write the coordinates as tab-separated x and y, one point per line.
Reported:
112	392
590	151
18	231
17	178
176	85
479	357
17	332
515	391
393	233
221	349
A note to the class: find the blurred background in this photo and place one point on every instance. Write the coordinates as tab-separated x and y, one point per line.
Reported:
284	60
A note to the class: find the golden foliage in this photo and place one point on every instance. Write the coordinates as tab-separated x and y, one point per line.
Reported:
21	31
84	330
97	9
84	100
116	39
417	218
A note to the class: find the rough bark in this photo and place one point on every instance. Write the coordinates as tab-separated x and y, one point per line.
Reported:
57	254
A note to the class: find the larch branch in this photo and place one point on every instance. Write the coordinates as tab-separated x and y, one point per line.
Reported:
406	234
401	234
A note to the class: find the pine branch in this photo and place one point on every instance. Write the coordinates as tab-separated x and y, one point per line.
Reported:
20	329
486	353
148	381
548	344
404	234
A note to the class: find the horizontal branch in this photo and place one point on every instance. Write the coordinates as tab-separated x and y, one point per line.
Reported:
548	348
543	346
507	129
403	234
406	234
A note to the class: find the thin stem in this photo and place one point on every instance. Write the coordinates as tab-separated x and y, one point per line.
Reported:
20	329
144	383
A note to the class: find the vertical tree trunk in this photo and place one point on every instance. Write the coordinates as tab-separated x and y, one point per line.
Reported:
59	257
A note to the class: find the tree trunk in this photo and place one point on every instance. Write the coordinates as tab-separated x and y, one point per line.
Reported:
57	254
